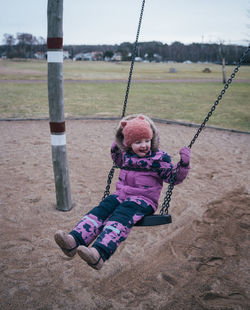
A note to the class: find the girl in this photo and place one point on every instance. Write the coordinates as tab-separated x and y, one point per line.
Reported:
137	192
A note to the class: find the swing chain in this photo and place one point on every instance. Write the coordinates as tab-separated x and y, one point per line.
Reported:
112	170
133	60
166	202
217	101
167	199
109	181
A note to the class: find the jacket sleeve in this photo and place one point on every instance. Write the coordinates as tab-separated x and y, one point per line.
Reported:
168	170
181	173
116	154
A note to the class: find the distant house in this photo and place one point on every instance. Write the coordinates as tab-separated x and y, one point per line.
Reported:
40	55
78	56
97	55
116	57
157	57
107	58
66	55
92	56
138	59
153	57
83	56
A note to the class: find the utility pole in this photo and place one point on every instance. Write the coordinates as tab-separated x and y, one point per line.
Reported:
56	104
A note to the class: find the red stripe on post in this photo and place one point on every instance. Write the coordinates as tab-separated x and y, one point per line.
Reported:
57	127
54	43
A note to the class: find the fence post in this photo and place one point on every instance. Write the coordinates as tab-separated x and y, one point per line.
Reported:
56	103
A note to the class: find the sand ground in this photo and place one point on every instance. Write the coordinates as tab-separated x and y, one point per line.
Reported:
200	261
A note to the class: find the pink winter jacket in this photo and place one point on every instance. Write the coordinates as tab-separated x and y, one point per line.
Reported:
144	186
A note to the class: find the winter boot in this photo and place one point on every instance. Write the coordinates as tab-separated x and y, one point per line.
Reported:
91	256
66	242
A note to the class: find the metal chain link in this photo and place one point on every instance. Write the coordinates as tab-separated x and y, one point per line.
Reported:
133	60
167	198
111	173
166	202
217	101
109	181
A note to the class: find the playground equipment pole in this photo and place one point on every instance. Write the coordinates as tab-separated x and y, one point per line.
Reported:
56	104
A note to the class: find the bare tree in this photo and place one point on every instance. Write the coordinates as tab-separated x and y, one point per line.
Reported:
26	39
25	43
9	40
41	41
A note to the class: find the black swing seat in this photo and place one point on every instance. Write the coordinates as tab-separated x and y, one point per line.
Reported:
154	220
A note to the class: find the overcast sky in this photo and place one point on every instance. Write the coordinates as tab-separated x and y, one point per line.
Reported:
115	21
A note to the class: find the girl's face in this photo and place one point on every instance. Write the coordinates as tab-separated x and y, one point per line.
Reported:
141	147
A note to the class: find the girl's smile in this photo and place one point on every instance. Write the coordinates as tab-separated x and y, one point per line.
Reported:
141	147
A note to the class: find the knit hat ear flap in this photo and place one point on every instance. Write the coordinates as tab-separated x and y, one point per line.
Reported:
141	117
123	124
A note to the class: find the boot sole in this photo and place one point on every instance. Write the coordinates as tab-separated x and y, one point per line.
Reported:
85	255
63	244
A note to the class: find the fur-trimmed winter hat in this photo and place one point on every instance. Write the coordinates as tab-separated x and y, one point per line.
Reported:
136	129
120	137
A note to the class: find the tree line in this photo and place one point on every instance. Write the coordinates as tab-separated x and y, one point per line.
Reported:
25	45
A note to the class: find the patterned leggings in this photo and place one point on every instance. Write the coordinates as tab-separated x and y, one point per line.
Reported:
110	223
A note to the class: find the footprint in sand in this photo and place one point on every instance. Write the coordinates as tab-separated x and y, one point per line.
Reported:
166	278
210	263
222	300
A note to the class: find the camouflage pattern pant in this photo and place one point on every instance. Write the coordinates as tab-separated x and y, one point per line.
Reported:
110	223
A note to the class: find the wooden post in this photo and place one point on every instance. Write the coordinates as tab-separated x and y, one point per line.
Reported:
56	104
224	79
222	52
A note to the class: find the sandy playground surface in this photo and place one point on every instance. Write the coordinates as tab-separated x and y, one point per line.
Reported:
200	261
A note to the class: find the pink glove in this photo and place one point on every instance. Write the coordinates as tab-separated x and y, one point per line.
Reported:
185	155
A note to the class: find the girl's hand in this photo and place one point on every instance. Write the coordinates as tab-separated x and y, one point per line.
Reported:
185	155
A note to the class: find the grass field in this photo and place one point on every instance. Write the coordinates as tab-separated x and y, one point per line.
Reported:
174	100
